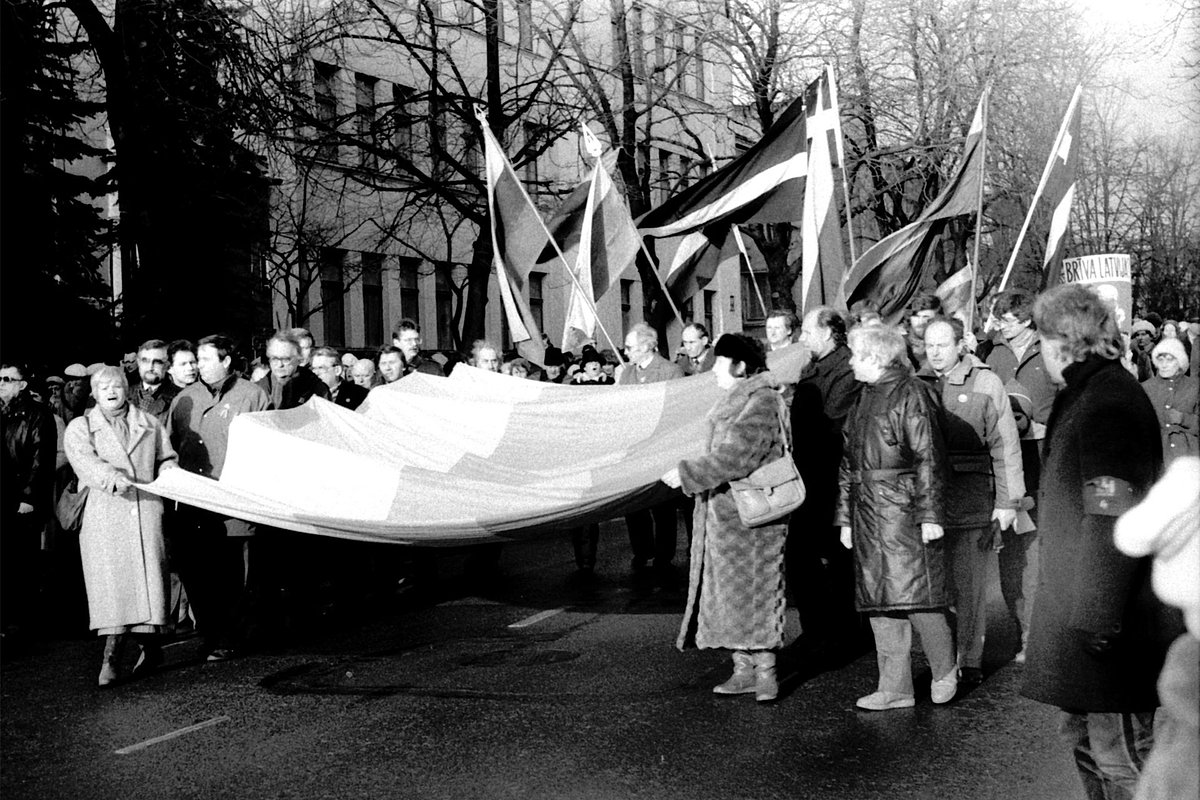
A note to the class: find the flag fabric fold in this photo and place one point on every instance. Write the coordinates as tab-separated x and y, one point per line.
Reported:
891	271
518	235
823	262
955	294
764	184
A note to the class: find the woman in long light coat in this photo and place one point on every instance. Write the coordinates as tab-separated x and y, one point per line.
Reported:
736	591
112	447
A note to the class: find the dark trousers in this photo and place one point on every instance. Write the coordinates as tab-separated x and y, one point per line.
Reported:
585	540
213	568
820	578
653	533
20	567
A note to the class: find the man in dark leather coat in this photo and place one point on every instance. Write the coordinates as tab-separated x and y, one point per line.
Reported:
26	480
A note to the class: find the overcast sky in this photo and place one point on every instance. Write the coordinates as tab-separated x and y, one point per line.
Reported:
1153	39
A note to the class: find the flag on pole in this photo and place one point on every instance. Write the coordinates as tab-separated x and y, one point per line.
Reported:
891	272
1059	191
517	237
764	184
595	232
1054	195
955	294
823	263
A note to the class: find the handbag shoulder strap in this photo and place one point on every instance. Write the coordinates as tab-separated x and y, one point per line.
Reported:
785	422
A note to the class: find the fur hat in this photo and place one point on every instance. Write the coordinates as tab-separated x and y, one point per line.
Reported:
1175	348
1142	325
739	347
75	371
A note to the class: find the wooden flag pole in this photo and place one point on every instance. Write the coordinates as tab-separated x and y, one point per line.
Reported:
1037	195
987	90
737	237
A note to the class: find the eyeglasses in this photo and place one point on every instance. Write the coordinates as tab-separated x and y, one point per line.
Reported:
287	360
1163	357
10	379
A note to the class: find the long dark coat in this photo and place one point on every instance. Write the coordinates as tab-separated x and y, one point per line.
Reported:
1102	453
892	479
735	588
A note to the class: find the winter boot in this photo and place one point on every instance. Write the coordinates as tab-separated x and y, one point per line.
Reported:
113	645
742	681
766	687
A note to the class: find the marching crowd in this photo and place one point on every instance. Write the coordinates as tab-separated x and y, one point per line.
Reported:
926	450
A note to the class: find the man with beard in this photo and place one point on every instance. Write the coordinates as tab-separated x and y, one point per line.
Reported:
153	393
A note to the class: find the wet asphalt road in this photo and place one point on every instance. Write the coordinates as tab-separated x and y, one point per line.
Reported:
533	687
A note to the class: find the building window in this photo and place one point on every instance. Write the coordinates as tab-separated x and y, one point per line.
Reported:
660	46
472	158
680	75
627	320
444	296
536	299
333	290
529	169
698	60
325	109
686	310
501	22
364	119
402	120
685	171
372	286
752	309
637	40
410	291
525	24
710	297
664	175
465	10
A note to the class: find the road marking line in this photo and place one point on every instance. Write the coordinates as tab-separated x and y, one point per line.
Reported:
133	748
536	618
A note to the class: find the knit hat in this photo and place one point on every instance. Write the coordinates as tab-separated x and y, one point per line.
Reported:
1175	348
737	347
1142	325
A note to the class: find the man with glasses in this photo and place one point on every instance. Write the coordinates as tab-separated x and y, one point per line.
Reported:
654	531
407	337
1017	360
26	479
328	367
696	356
289	384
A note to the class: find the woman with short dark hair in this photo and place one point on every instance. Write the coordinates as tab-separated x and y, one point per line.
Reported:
735	589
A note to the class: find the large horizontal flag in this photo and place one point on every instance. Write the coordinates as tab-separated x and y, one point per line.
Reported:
892	271
518	235
1054	195
823	263
764	184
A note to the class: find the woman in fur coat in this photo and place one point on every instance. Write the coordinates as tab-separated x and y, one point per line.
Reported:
735	589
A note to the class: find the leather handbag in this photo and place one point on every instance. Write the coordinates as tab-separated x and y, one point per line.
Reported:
69	508
775	489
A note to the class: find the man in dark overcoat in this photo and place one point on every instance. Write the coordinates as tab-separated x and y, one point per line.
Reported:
1098	635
